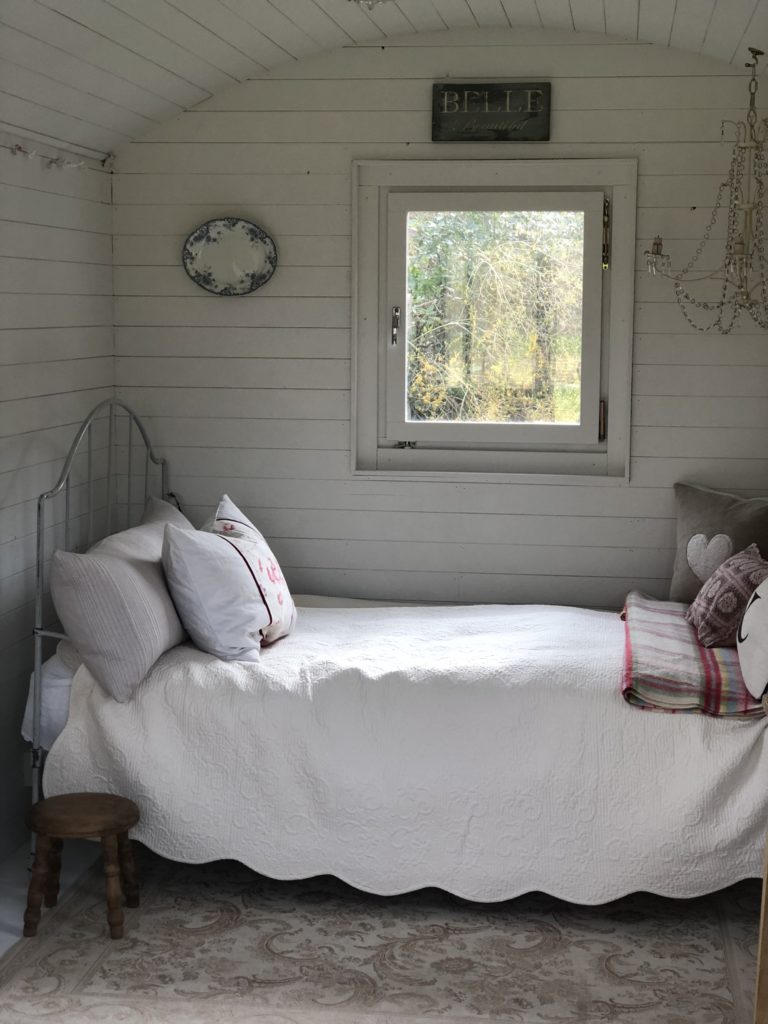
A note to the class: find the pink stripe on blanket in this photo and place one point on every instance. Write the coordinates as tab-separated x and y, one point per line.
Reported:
666	669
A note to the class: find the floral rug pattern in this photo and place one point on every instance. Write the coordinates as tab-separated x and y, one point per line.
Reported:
217	943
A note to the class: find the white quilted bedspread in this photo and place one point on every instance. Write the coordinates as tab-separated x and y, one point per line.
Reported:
485	750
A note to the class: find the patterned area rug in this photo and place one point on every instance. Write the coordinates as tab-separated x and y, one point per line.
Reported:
217	943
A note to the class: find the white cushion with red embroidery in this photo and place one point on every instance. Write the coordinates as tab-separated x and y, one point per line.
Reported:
234	527
227	586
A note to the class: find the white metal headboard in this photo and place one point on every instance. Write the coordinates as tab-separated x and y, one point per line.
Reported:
119	479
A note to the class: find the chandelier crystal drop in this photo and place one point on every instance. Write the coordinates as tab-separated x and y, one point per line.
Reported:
742	271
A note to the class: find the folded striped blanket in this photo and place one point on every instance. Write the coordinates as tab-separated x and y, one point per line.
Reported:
667	669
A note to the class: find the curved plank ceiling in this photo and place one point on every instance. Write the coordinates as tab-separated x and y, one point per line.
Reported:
95	74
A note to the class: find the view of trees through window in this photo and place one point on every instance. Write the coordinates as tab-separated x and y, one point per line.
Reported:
494	315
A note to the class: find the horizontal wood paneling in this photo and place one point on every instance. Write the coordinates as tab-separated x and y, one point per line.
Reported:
96	73
547	501
475	557
254	156
394	126
210	311
56	362
277	220
27	205
414	94
500	529
297	403
699	411
47	344
22	240
422	58
471	588
241	342
291	281
330	374
313	251
252	396
50	277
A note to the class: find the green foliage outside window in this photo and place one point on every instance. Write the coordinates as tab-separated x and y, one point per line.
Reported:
494	316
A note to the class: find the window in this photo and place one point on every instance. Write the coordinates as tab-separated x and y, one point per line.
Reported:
490	334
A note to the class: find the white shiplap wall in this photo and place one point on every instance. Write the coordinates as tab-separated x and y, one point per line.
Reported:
56	359
94	73
251	395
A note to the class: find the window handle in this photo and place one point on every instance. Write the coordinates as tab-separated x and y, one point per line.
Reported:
395	324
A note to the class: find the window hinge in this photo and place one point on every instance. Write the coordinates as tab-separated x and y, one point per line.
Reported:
606	232
601	421
405	444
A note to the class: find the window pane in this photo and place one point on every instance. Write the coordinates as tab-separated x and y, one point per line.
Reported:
494	316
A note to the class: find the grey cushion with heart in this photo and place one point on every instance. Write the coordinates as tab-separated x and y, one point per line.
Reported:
711	526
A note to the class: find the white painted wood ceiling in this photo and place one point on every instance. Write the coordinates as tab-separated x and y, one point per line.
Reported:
94	74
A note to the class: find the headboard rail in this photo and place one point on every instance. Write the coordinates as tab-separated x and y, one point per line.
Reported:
112	481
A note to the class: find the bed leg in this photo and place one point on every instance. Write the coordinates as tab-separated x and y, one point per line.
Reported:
761	988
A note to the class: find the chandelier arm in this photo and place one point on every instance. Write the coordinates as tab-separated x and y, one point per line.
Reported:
707	231
713	275
725	303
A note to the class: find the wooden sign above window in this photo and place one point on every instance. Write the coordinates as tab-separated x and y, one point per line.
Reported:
491	112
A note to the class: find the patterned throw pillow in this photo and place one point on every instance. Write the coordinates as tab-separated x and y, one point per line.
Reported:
235	528
717	610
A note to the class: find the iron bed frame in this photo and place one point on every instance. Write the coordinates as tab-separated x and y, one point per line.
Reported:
116	412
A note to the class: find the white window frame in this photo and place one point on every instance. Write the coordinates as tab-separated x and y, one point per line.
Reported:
384	192
397	428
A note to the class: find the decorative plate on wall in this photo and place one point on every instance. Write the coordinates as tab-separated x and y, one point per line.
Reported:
229	256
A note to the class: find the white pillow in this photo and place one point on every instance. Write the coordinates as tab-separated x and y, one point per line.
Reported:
752	642
227	586
114	604
236	528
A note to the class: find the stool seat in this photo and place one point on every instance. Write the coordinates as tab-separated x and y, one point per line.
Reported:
83	815
103	816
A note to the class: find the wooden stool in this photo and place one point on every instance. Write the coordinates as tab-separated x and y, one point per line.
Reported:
83	816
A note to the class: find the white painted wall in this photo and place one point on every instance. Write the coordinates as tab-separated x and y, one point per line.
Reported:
93	74
56	354
251	395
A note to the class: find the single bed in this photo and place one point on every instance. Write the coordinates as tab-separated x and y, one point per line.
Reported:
485	750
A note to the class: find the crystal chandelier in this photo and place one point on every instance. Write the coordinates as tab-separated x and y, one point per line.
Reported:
743	269
368	4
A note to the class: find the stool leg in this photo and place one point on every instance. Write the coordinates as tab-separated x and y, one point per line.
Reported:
128	870
114	892
37	886
54	870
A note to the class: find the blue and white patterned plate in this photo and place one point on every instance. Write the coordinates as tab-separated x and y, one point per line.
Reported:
229	256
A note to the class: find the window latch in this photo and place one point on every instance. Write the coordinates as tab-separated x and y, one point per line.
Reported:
395	324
